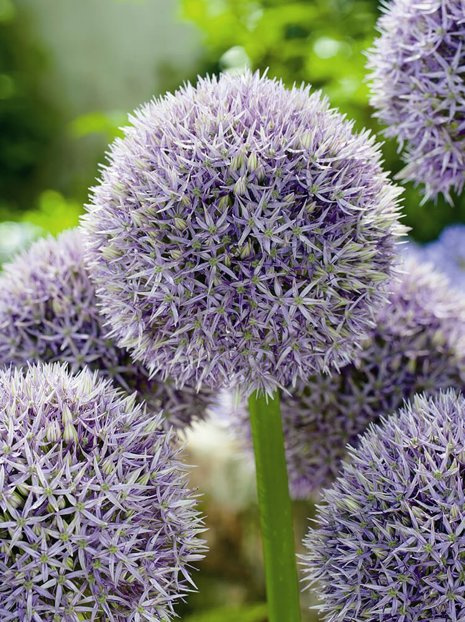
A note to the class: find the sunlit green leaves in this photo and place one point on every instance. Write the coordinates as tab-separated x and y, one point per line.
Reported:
249	613
98	122
54	212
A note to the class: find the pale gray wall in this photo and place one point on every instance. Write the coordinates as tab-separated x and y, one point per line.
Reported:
105	54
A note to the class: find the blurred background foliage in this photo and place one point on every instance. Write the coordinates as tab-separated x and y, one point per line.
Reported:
70	72
69	75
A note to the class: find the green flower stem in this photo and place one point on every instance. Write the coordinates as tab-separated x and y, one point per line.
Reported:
275	509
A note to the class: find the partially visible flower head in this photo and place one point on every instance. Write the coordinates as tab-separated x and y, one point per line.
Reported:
447	254
418	345
241	231
412	249
389	540
96	521
48	312
418	89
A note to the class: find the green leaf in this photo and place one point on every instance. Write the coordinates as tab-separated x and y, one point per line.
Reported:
107	123
247	613
55	213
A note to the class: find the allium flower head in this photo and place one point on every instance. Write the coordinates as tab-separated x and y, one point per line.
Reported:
418	345
48	312
96	521
241	230
389	541
418	88
447	254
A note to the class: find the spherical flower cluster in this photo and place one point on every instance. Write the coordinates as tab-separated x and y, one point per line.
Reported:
48	312
418	345
96	521
447	254
389	541
418	88
241	230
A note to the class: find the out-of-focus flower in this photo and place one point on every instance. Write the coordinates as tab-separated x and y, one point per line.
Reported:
241	232
418	88
389	538
221	472
447	254
96	521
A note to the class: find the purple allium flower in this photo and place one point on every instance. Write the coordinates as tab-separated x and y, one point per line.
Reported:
241	231
412	249
418	88
389	540
418	345
48	312
447	254
96	521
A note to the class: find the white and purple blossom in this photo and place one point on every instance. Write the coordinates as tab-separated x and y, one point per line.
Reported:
49	313
447	254
389	542
241	231
96	520
418	89
417	345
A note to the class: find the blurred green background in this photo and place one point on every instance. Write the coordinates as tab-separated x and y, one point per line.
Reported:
69	74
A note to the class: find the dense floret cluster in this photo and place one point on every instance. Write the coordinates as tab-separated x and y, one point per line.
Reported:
418	345
418	88
389	540
241	231
96	521
48	313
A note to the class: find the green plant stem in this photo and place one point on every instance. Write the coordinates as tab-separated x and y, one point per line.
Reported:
275	509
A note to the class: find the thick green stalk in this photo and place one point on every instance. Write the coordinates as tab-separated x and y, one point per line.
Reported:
275	509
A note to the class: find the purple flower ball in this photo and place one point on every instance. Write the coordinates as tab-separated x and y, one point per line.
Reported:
96	520
447	254
417	345
418	89
241	231
389	541
48	313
